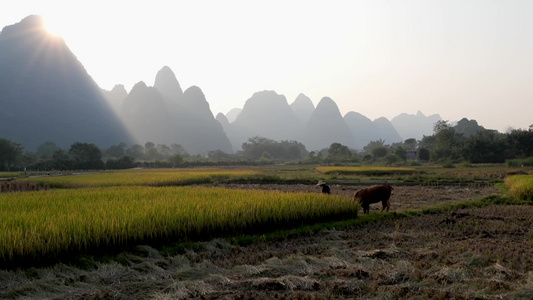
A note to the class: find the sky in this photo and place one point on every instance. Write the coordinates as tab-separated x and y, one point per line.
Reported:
455	58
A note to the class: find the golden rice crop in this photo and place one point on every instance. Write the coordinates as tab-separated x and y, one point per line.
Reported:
520	186
157	177
9	174
49	223
365	170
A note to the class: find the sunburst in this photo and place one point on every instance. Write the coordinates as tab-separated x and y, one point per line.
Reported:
52	27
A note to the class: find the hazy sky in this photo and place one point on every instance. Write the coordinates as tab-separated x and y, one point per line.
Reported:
459	58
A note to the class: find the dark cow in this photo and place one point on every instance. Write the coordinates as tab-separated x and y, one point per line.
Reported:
374	194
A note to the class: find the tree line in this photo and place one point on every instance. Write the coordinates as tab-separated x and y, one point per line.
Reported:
448	144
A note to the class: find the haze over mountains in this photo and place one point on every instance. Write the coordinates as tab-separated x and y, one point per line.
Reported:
47	95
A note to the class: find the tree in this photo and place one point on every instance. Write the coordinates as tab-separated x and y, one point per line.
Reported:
313	157
125	162
46	149
10	153
86	156
135	151
487	146
440	125
391	158
373	144
379	151
423	154
61	160
410	144
148	146
428	142
448	144
116	150
163	150
178	149
218	155
401	153
338	151
176	160
151	154
520	143
259	147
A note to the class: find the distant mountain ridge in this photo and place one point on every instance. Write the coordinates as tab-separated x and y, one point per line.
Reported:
49	96
320	126
414	126
165	114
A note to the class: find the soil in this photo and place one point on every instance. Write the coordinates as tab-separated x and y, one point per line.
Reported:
475	253
402	198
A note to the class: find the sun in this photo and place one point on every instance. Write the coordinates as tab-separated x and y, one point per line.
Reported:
52	27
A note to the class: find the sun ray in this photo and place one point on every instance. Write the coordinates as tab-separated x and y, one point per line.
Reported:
52	27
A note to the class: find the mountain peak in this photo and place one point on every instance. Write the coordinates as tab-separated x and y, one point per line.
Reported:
167	84
327	104
326	126
303	108
138	85
32	25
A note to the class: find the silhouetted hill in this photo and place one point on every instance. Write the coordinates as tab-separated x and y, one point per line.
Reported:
265	114
168	86
226	126
197	129
233	114
326	126
167	115
146	116
386	131
414	126
303	108
468	127
47	95
115	97
223	120
362	128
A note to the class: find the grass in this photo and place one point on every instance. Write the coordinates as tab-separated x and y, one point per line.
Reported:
520	186
47	224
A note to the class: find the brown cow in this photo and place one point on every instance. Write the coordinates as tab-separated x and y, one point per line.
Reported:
374	194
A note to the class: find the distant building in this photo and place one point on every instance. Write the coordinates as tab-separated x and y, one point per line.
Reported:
411	154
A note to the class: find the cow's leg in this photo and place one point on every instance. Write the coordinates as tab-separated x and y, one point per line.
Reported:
385	205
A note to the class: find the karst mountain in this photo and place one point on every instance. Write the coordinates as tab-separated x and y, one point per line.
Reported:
47	95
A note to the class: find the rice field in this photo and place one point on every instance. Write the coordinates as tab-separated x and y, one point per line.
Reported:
50	223
520	186
9	174
151	177
365	170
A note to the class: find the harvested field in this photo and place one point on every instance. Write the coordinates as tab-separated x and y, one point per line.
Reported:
403	197
475	253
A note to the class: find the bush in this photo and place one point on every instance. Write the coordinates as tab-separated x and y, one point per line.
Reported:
524	162
520	186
